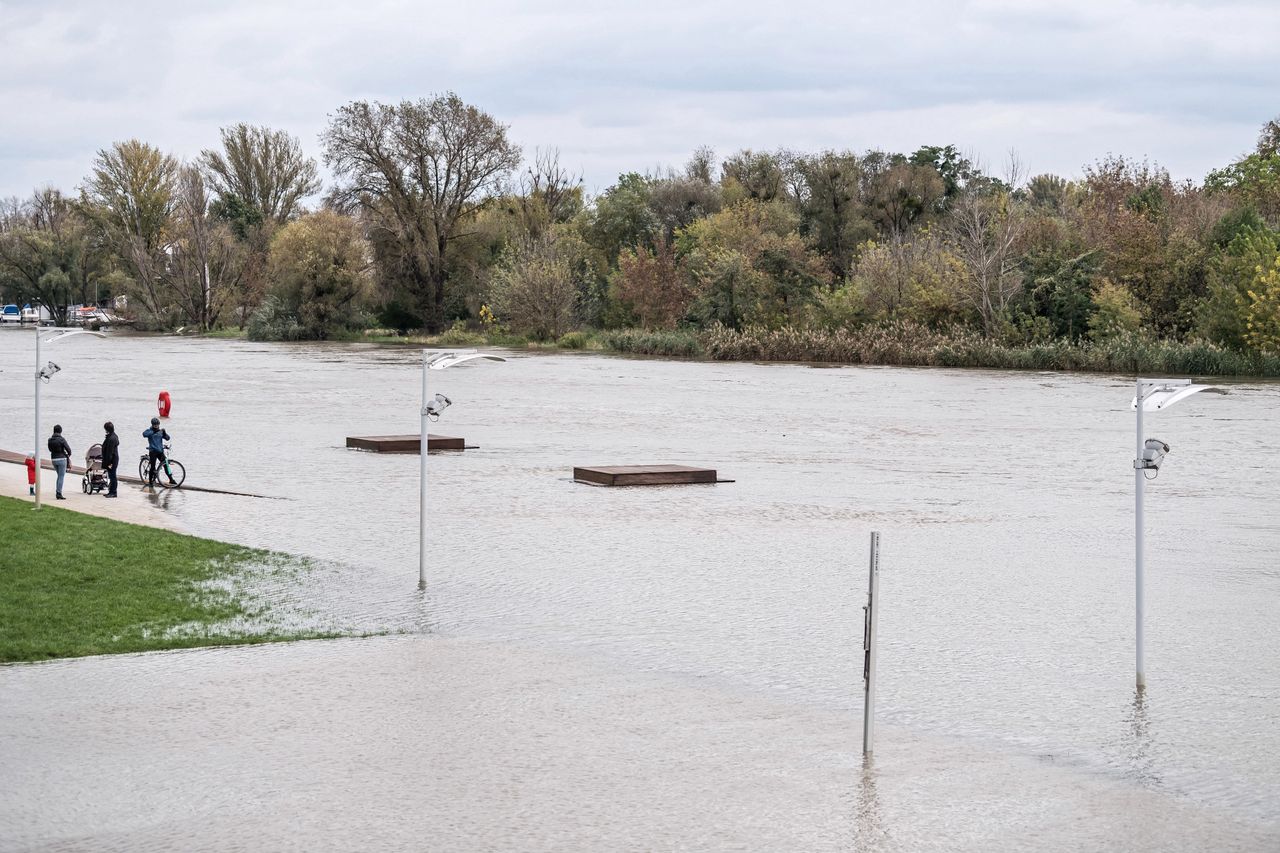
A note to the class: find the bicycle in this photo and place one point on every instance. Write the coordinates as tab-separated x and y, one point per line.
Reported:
172	467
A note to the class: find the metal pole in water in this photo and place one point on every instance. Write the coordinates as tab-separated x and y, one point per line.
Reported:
422	483
870	619
1139	480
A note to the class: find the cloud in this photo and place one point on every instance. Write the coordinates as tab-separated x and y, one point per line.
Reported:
620	86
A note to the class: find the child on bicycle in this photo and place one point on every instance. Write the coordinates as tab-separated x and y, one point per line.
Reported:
156	437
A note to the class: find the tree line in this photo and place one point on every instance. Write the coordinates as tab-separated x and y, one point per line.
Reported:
434	218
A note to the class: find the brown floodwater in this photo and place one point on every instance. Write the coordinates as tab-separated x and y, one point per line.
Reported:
1005	505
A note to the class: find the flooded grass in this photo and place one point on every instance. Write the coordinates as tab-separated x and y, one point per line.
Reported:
74	585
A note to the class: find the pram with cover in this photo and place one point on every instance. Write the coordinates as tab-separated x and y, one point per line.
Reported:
95	476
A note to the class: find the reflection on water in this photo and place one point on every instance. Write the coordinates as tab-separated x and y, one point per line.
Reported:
869	830
1004	501
1141	754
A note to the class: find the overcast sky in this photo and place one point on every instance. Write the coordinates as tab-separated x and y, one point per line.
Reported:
621	86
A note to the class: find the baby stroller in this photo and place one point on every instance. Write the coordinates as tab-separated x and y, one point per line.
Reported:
95	476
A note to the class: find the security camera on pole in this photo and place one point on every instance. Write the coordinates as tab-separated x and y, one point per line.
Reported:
431	409
1153	395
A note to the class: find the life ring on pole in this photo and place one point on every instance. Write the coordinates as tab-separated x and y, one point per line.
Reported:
164	404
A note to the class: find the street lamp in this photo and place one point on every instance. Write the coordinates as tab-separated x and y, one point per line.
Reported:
1153	395
431	409
43	374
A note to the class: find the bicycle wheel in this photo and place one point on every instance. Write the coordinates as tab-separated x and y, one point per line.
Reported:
176	472
144	469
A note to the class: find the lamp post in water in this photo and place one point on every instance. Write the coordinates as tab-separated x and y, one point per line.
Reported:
431	409
45	372
1153	395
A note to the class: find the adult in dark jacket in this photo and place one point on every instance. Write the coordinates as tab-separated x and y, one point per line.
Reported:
110	457
156	437
60	453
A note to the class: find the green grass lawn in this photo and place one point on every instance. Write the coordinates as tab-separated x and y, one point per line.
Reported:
73	584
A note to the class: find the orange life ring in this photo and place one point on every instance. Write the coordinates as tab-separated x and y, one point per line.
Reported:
164	404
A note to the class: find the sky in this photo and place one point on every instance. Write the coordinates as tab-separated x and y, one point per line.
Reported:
637	86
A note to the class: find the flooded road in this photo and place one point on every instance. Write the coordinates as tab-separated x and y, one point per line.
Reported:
1004	501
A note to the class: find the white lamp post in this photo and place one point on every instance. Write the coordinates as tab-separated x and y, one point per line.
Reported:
43	374
1153	395
431	409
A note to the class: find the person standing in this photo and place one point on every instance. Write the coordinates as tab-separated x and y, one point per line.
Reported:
156	437
60	453
110	457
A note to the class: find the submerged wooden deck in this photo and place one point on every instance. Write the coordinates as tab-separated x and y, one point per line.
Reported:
404	443
644	475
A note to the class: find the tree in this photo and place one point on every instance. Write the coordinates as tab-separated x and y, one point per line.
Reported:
419	170
651	284
49	257
1263	318
903	195
130	195
207	263
984	228
319	264
535	287
622	217
756	175
549	195
831	207
261	169
911	276
748	266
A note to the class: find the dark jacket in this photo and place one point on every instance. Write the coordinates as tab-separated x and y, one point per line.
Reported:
111	450
58	447
155	439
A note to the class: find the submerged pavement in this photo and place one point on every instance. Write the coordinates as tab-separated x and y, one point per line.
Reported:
437	743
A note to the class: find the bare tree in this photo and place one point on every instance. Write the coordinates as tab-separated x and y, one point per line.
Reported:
548	194
207	264
986	222
419	169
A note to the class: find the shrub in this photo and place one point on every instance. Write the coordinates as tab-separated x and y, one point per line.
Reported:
273	321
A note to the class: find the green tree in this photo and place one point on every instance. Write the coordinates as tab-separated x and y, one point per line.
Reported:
1254	180
319	264
535	287
833	216
130	194
419	171
747	265
1262	321
1223	315
622	217
49	255
263	170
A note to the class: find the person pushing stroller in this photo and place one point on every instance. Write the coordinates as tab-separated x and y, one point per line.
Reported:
156	437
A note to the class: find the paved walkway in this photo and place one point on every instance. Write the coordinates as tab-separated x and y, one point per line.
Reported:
135	503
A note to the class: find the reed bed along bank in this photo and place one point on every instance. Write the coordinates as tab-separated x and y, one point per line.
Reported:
908	344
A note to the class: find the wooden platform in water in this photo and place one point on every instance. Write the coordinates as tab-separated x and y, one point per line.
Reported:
644	475
404	443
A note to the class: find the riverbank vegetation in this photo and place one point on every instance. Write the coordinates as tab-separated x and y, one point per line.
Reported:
76	585
435	222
